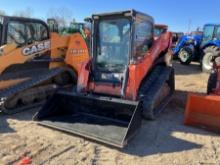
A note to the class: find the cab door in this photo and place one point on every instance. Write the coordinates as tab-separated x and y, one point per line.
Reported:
217	33
208	33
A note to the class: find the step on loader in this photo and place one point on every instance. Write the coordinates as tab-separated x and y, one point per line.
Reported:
204	111
34	63
129	77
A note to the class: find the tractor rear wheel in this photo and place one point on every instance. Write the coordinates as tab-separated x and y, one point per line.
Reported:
186	55
208	54
212	82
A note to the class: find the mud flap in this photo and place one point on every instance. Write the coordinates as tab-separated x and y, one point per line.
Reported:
107	120
203	111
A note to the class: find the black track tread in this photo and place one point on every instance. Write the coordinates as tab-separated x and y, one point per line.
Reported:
34	81
146	85
21	74
151	86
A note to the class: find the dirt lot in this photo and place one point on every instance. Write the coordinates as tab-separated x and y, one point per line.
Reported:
165	141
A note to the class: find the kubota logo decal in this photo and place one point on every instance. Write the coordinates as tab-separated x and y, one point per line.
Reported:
36	48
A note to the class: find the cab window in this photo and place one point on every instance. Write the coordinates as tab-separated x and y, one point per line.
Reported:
143	38
217	35
208	33
113	43
36	32
23	33
16	33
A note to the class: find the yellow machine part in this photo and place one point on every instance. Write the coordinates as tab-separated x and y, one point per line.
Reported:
8	48
62	52
72	47
59	47
203	111
77	53
8	83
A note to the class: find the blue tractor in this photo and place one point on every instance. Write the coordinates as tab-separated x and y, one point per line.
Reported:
187	48
201	48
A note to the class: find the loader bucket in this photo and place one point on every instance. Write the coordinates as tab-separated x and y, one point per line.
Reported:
203	111
103	119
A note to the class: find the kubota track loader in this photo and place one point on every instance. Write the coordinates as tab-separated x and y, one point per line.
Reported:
204	111
33	62
129	76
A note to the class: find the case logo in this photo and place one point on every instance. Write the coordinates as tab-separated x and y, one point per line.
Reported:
36	48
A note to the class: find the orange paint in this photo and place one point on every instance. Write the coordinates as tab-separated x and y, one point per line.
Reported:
60	47
7	83
137	72
77	52
203	111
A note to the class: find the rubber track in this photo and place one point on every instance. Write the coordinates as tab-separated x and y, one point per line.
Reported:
35	80
151	86
21	74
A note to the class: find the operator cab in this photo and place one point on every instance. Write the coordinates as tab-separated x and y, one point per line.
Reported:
22	31
119	39
159	29
52	25
211	32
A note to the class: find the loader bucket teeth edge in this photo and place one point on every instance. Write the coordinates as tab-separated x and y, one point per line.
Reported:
109	121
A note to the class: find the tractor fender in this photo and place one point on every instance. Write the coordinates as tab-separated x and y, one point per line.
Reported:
193	49
184	41
211	43
179	45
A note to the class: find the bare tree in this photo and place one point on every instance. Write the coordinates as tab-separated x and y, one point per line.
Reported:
2	12
62	15
28	12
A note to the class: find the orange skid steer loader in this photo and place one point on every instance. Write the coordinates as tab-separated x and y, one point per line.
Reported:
204	111
129	76
33	62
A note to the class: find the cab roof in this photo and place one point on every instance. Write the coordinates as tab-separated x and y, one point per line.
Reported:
131	13
161	26
14	18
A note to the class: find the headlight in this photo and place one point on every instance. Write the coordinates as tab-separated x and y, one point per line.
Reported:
217	61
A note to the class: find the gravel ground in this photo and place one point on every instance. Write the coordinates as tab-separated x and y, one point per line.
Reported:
164	141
